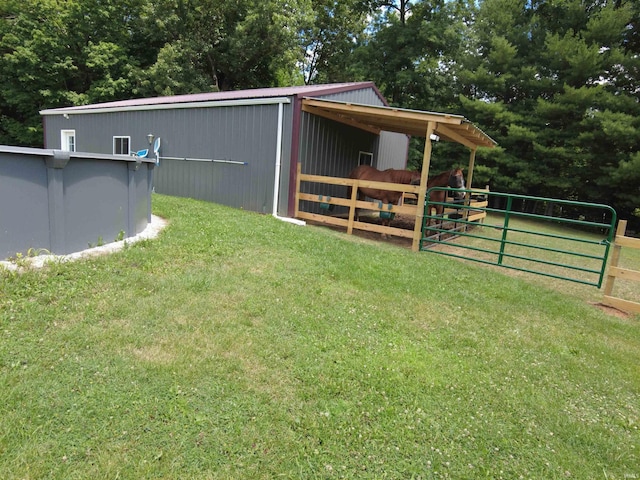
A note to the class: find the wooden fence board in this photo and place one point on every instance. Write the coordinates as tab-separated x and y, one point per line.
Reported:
362	204
625	273
623	241
616	272
340	222
621	304
396	187
345	202
374	227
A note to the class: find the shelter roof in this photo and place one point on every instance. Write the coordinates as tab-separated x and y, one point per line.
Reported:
454	128
236	95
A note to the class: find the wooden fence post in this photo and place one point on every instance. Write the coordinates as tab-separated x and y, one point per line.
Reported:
615	271
615	258
297	200
352	206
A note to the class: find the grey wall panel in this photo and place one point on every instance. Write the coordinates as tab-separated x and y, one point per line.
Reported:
392	150
142	198
242	134
64	203
95	202
365	96
94	133
286	162
24	211
330	148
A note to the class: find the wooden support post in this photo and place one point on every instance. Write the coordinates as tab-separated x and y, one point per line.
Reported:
615	258
467	197
297	206
472	162
426	162
352	206
615	271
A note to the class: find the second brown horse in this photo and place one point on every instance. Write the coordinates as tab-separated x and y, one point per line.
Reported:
450	178
366	172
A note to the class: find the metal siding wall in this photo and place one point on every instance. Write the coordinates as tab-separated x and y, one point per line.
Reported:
389	149
365	96
285	167
95	202
240	133
392	150
24	211
332	149
244	134
95	132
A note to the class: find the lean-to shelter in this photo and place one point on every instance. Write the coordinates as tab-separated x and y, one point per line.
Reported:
431	125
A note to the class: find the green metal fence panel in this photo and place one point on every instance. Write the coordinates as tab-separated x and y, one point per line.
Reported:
556	246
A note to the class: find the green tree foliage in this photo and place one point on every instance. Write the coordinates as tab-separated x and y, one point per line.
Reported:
59	53
556	84
409	52
331	37
217	45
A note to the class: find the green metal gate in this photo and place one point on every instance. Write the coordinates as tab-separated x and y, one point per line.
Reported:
513	235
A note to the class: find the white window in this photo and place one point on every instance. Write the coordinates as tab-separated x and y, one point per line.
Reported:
121	145
68	140
365	158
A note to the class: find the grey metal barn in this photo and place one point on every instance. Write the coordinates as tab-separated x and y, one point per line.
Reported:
234	148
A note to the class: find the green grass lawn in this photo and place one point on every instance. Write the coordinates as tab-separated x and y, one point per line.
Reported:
238	346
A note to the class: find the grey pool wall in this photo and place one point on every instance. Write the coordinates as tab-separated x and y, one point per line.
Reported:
62	202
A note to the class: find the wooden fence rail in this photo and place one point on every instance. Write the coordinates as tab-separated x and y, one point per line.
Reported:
617	272
352	203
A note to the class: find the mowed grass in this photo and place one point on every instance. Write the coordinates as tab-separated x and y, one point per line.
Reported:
238	346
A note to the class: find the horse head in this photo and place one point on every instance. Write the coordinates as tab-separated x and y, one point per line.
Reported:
456	180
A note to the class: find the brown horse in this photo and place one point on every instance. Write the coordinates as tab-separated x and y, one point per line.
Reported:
451	178
366	172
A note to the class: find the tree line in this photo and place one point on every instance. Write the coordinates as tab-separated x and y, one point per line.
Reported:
555	82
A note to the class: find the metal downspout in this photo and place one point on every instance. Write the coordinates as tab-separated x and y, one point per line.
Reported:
276	182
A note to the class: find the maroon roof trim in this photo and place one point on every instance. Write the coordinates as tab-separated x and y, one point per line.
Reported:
298	91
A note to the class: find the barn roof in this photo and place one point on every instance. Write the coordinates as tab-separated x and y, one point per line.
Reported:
229	96
454	128
368	117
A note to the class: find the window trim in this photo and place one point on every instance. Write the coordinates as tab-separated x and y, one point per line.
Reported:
362	154
65	136
121	137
